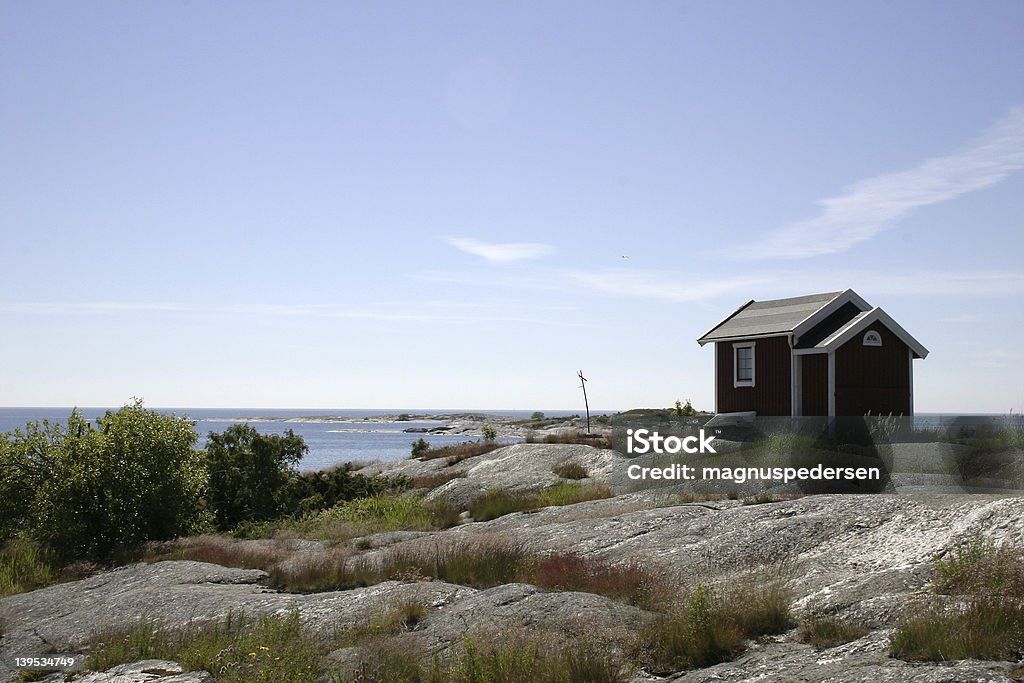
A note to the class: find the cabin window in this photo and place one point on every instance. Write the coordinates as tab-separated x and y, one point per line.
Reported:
872	338
743	364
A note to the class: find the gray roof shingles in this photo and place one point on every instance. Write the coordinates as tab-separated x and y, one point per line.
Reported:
778	316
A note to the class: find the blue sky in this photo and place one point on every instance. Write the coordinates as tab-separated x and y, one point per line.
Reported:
445	204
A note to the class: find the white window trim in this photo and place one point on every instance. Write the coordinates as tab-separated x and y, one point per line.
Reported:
872	334
736	381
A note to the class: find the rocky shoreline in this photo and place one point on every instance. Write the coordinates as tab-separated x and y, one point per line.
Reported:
864	558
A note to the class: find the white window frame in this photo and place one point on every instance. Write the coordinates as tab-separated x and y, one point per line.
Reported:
872	338
736	381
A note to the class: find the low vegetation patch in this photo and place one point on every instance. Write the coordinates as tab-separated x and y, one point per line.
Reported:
497	502
521	660
399	618
825	632
570	470
477	563
362	516
480	563
572	436
707	628
458	452
629	583
221	550
432	481
983	617
24	566
233	650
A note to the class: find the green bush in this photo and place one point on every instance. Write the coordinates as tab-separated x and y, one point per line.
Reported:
419	447
249	474
88	492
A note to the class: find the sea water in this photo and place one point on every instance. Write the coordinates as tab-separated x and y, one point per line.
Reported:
330	443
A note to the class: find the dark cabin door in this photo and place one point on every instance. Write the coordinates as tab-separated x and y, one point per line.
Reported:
814	384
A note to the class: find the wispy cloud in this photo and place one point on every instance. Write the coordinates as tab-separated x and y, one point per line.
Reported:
501	253
869	206
664	285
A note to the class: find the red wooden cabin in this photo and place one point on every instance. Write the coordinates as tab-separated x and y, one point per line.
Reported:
823	355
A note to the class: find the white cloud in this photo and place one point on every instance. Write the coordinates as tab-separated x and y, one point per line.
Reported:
869	206
501	253
665	285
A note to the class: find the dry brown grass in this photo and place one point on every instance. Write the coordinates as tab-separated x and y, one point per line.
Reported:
227	552
457	453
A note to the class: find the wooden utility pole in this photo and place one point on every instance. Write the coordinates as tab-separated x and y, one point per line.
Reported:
583	386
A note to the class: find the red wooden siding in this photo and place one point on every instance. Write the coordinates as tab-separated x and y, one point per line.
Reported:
814	384
870	378
770	394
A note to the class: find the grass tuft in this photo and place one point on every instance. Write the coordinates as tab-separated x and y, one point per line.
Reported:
824	632
520	660
456	453
497	502
708	628
570	470
432	481
235	649
24	566
986	618
226	552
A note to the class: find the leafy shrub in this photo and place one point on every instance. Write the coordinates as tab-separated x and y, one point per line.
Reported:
419	447
824	633
489	432
249	473
88	492
312	492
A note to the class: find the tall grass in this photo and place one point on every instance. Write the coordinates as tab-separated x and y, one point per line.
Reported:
984	616
363	516
572	436
492	660
456	453
709	627
824	632
221	550
497	502
24	566
235	649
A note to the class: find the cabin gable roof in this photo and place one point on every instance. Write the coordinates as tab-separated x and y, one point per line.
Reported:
860	323
795	315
